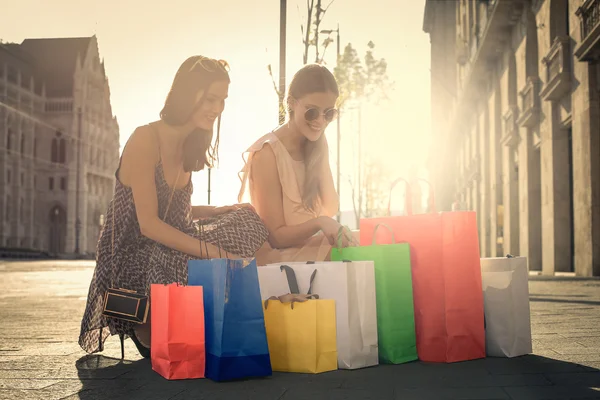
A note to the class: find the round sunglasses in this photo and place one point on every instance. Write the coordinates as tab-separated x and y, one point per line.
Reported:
313	113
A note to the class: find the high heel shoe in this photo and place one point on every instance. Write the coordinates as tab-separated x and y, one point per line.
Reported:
143	350
122	339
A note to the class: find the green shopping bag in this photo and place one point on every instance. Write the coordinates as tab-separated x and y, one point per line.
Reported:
394	294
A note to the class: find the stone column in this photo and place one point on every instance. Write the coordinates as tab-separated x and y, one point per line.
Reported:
556	197
495	168
474	161
468	184
586	169
530	201
3	160
484	181
511	199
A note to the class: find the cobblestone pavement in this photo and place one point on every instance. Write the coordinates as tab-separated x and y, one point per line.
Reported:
41	304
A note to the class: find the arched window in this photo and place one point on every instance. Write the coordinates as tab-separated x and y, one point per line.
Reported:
9	140
54	150
59	149
62	153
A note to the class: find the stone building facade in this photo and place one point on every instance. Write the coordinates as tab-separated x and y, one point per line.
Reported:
516	125
59	145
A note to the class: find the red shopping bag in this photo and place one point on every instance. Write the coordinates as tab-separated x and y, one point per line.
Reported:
446	273
177	331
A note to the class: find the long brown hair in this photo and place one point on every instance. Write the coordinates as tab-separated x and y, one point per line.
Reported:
195	74
312	78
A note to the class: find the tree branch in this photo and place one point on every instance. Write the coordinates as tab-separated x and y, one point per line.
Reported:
328	5
273	80
353	193
310	6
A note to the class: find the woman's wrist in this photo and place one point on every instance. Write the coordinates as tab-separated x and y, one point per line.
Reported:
320	221
209	251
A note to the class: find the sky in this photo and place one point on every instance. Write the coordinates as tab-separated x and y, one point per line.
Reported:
143	43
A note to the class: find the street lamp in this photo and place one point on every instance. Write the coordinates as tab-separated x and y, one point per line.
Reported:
339	173
77	183
209	169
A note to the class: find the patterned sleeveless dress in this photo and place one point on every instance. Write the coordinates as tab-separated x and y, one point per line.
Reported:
136	261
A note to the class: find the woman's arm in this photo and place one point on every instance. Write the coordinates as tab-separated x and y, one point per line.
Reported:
330	200
268	195
199	212
139	160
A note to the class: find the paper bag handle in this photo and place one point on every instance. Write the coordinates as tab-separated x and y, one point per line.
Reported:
408	196
386	226
340	234
431	197
293	282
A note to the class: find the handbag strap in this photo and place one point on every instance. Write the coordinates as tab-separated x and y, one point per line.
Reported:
201	227
112	239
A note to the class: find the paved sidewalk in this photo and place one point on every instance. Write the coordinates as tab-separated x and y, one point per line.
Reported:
41	304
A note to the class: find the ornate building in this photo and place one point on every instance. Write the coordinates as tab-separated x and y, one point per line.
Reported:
516	122
59	145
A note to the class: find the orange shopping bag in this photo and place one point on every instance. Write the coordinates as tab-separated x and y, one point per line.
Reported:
177	331
446	273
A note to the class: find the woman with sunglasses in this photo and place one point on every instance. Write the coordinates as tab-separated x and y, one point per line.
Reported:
290	181
151	228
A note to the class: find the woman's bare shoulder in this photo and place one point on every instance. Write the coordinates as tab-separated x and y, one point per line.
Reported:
142	144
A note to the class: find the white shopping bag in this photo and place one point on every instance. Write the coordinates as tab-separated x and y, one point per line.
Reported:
352	286
506	302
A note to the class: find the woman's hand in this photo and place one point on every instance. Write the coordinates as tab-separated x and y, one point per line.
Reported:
226	209
210	251
331	229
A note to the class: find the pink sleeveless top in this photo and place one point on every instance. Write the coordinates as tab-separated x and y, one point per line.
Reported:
292	174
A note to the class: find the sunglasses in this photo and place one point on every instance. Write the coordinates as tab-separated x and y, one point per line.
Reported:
313	113
210	64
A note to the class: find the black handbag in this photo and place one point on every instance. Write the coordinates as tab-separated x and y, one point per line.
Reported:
126	304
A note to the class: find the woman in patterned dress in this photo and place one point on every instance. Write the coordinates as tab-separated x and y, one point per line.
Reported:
151	230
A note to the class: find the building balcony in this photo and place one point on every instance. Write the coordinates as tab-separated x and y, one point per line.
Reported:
530	103
462	51
510	131
59	105
473	174
589	19
558	70
502	16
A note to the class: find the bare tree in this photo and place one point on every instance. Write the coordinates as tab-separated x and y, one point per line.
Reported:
310	33
306	39
361	80
315	14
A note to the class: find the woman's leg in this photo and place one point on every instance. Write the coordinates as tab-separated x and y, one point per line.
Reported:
142	332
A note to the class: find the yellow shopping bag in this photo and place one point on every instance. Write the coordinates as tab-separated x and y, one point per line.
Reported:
301	336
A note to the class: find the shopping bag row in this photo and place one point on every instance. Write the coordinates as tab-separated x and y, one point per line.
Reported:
218	327
425	294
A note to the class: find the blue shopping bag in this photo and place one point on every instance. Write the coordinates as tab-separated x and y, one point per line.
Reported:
236	338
